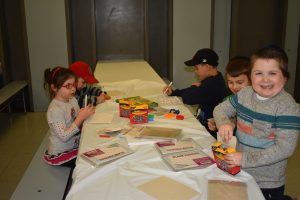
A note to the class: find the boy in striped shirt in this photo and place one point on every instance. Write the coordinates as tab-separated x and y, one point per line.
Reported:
85	80
268	122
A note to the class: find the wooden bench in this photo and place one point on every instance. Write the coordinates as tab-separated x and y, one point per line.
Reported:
42	181
10	91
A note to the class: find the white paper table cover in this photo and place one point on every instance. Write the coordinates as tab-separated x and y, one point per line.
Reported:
120	179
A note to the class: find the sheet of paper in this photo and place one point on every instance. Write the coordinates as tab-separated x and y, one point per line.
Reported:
231	143
220	190
163	188
105	152
187	160
174	147
102	118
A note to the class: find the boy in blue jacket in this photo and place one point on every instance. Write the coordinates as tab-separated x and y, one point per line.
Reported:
209	91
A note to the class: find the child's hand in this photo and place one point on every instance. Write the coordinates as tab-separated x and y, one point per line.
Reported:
106	96
86	112
226	132
211	124
197	84
101	98
233	159
167	90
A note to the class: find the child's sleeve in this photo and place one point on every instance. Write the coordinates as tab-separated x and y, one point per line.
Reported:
224	112
286	140
64	133
80	99
93	100
93	91
57	124
179	92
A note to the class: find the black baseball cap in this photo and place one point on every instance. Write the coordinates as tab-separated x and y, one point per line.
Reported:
205	56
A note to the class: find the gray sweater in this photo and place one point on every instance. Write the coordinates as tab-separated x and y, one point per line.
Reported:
267	133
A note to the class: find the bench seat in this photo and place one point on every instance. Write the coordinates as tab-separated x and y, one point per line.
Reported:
10	91
42	181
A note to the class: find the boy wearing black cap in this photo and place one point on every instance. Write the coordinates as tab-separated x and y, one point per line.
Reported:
211	89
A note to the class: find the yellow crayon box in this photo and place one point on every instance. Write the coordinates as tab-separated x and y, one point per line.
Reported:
138	100
124	108
219	151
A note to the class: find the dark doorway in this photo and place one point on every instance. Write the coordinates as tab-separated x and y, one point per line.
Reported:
297	83
255	24
120	29
127	29
14	41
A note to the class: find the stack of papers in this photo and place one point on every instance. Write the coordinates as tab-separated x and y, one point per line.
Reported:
173	146
106	153
183	154
188	160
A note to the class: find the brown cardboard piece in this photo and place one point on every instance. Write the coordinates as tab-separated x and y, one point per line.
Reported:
163	188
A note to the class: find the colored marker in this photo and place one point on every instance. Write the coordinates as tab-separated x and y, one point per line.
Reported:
85	101
104	136
168	87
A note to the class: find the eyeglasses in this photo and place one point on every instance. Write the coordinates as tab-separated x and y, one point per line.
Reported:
69	86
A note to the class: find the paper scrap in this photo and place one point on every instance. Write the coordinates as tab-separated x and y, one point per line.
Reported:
231	143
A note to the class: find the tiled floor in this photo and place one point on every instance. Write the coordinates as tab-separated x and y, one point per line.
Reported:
20	137
21	134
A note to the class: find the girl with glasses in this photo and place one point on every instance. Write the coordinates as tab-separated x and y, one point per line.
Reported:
64	117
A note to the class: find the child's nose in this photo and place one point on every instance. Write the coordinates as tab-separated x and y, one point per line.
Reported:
265	78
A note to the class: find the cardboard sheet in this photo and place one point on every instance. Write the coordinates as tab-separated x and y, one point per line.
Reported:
163	188
220	190
151	131
154	132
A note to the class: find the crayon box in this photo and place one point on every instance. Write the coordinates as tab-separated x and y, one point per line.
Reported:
219	151
139	114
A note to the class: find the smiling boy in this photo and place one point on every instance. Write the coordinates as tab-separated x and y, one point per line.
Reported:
268	122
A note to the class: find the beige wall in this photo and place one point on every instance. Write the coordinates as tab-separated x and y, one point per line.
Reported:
221	38
191	31
47	43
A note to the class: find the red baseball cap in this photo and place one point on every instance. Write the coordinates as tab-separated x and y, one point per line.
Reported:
83	70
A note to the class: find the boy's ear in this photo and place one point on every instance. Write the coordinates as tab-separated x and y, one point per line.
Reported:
53	88
210	66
